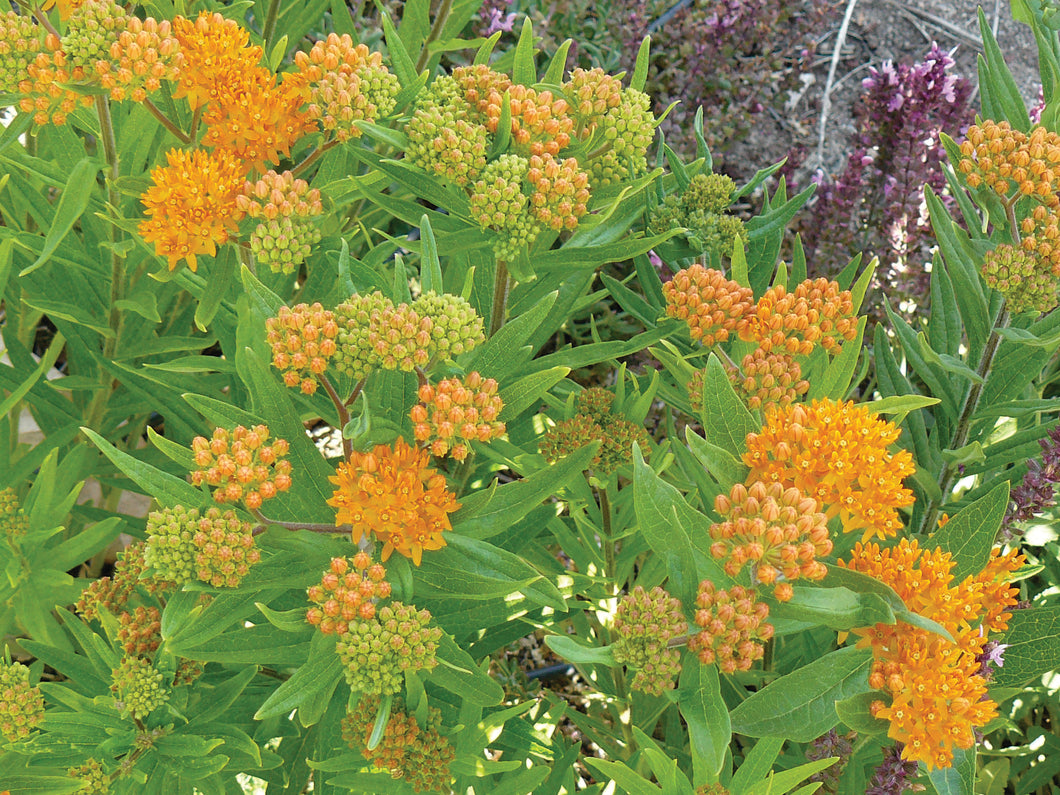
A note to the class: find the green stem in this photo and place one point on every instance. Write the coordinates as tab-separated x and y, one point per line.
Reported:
313	157
271	15
340	407
165	121
44	21
501	285
315	527
436	33
609	543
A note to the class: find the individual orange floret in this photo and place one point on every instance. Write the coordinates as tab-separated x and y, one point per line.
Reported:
348	591
838	453
777	532
454	413
302	340
144	55
711	304
393	493
733	625
816	312
560	191
242	465
762	379
191	206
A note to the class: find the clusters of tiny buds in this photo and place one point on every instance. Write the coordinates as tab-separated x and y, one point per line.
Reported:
225	548
377	651
457	327
645	622
91	31
456	412
1016	273
497	199
442	140
348	590
142	57
1041	237
616	434
19	45
733	625
21	704
13	521
627	131
816	312
45	90
140	632
540	124
709	303
764	378
778	532
356	357
170	549
137	687
1010	162
242	465
400	338
275	195
302	340
94	779
111	594
560	191
592	93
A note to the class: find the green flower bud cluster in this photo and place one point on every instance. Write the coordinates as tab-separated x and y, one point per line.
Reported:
645	622
225	548
627	129
21	704
138	687
457	326
19	45
596	403
91	30
700	210
499	203
380	89
13	520
140	632
616	434
187	672
377	651
94	779
443	140
591	94
170	549
1017	275
284	243
418	754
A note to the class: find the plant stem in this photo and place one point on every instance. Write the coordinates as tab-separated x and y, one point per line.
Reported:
315	527
501	285
271	15
165	121
314	156
436	33
340	407
44	21
356	393
609	543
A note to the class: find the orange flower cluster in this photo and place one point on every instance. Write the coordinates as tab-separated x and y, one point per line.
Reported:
144	55
540	124
817	312
45	92
1011	162
711	304
275	196
733	625
242	465
112	593
776	531
938	696
452	414
66	7
393	493
592	93
19	45
212	51
419	754
346	594
763	378
1041	238
302	340
225	548
191	206
837	453
560	191
140	632
346	84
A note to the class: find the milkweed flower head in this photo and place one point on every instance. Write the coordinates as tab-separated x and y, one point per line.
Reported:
144	54
356	355
21	704
170	547
138	688
13	520
303	340
560	191
764	378
777	532
1012	162
213	50
456	327
192	204
90	33
391	492
499	202
376	652
348	591
19	45
93	777
815	313
346	84
455	412
625	131
46	93
113	593
593	421
242	465
225	548
645	622
700	209
591	93
711	304
409	750
837	453
443	139
732	626
1017	275
284	208
140	632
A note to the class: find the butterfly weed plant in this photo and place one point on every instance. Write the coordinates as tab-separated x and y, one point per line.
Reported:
768	554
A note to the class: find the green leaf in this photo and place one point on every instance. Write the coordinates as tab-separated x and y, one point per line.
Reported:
837	608
969	534
259	645
1033	639
557	65
39	372
430	265
222	274
1022	336
834	383
572	651
726	420
707	716
528	390
499	355
723	465
39	784
779	783
80	547
626	778
168	490
524	70
458	674
801	705
72	204
861	286
999	89
756	765
323	668
959	779
856	713
400	60
640	68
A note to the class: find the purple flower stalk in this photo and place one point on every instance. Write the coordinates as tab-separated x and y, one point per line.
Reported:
1037	491
992	655
492	17
894	774
828	745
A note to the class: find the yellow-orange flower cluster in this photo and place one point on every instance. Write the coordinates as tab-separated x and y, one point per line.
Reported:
346	594
592	93
242	465
837	453
302	340
733	625
212	50
776	531
19	45
762	379
816	312
452	414
1010	161
540	124
560	191
191	206
711	304
938	695
144	55
394	494
285	208
45	92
